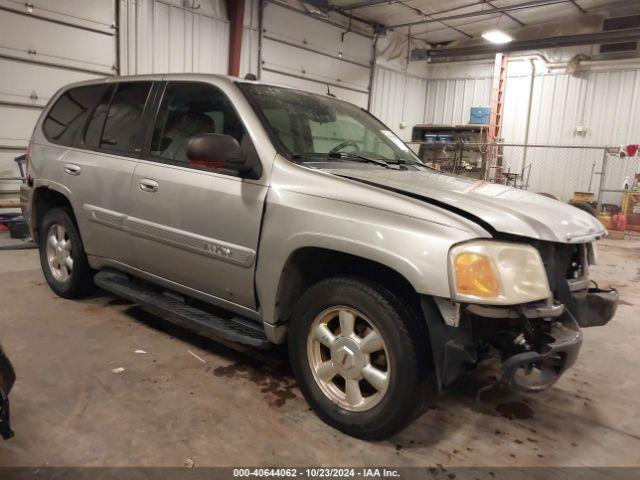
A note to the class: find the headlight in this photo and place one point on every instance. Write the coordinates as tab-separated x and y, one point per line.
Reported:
497	273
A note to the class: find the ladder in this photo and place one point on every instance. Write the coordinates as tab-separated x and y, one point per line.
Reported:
497	107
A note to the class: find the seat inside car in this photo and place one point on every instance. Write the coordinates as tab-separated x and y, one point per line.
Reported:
187	125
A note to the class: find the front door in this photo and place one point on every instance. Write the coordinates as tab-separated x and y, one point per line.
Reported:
196	226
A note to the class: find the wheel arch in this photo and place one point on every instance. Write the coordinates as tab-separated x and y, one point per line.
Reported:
44	199
308	265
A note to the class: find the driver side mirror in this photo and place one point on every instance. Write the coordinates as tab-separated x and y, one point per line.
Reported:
217	151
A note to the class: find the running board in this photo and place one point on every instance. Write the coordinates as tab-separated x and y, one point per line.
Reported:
236	329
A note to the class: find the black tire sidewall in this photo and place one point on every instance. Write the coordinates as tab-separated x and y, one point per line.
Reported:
79	282
405	395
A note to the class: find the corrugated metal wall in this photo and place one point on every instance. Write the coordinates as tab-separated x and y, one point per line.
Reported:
158	36
398	97
606	102
449	101
410	99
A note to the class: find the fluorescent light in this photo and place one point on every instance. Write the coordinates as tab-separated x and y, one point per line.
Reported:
497	36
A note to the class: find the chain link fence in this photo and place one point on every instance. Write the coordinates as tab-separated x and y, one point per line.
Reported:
594	174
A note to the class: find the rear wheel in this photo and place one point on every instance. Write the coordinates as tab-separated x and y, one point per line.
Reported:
359	356
62	256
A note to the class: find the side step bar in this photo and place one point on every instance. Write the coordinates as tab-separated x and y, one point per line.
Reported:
236	329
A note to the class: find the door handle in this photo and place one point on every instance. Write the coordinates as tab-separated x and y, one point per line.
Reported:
72	169
148	185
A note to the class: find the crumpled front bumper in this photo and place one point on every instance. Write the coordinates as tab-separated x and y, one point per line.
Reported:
534	371
533	368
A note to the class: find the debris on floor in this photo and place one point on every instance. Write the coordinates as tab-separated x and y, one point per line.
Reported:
139	352
118	370
199	358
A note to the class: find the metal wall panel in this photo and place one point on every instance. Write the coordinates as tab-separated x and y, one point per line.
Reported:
354	97
36	39
605	102
167	37
250	38
449	101
314	54
94	14
45	45
398	98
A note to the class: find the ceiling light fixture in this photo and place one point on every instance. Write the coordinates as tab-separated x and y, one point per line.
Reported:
497	36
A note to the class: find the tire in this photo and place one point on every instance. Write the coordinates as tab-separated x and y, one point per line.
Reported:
67	282
404	360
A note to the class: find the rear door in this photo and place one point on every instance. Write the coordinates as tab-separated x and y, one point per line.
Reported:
192	225
99	170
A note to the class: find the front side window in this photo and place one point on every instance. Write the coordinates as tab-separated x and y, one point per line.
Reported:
190	109
309	125
65	121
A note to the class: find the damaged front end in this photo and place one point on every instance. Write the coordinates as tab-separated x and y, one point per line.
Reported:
536	341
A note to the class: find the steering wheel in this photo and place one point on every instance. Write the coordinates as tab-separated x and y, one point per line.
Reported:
345	144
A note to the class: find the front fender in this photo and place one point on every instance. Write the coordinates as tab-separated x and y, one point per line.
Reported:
415	248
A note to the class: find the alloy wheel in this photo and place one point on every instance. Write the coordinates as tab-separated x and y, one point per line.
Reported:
348	358
59	250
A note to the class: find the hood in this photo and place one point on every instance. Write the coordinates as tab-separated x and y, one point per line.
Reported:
506	209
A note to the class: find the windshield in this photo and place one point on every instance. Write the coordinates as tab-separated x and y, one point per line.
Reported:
309	126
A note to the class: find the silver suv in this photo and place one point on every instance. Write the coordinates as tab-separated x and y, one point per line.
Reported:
260	214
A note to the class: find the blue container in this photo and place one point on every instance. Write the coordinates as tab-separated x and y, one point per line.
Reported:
480	115
445	138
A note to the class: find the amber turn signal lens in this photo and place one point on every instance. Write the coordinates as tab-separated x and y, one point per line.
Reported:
475	275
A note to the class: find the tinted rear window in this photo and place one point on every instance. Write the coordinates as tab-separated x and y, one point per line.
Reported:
94	128
122	125
65	122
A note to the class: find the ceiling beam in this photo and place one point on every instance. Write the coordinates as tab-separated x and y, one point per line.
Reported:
614	36
367	3
519	22
325	6
509	8
428	15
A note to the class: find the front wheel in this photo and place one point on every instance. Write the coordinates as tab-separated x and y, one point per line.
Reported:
62	256
359	356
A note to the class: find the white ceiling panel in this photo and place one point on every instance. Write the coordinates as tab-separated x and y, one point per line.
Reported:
395	12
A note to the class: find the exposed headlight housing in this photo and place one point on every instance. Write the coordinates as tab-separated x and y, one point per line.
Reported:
497	273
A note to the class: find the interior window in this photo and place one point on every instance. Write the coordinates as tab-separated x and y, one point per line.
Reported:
123	118
190	109
67	117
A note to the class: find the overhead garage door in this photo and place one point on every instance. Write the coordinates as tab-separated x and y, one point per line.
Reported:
173	36
45	44
305	53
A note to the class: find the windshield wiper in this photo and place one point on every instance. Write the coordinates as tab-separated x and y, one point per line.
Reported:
356	157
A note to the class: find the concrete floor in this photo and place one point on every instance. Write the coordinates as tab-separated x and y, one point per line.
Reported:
169	407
